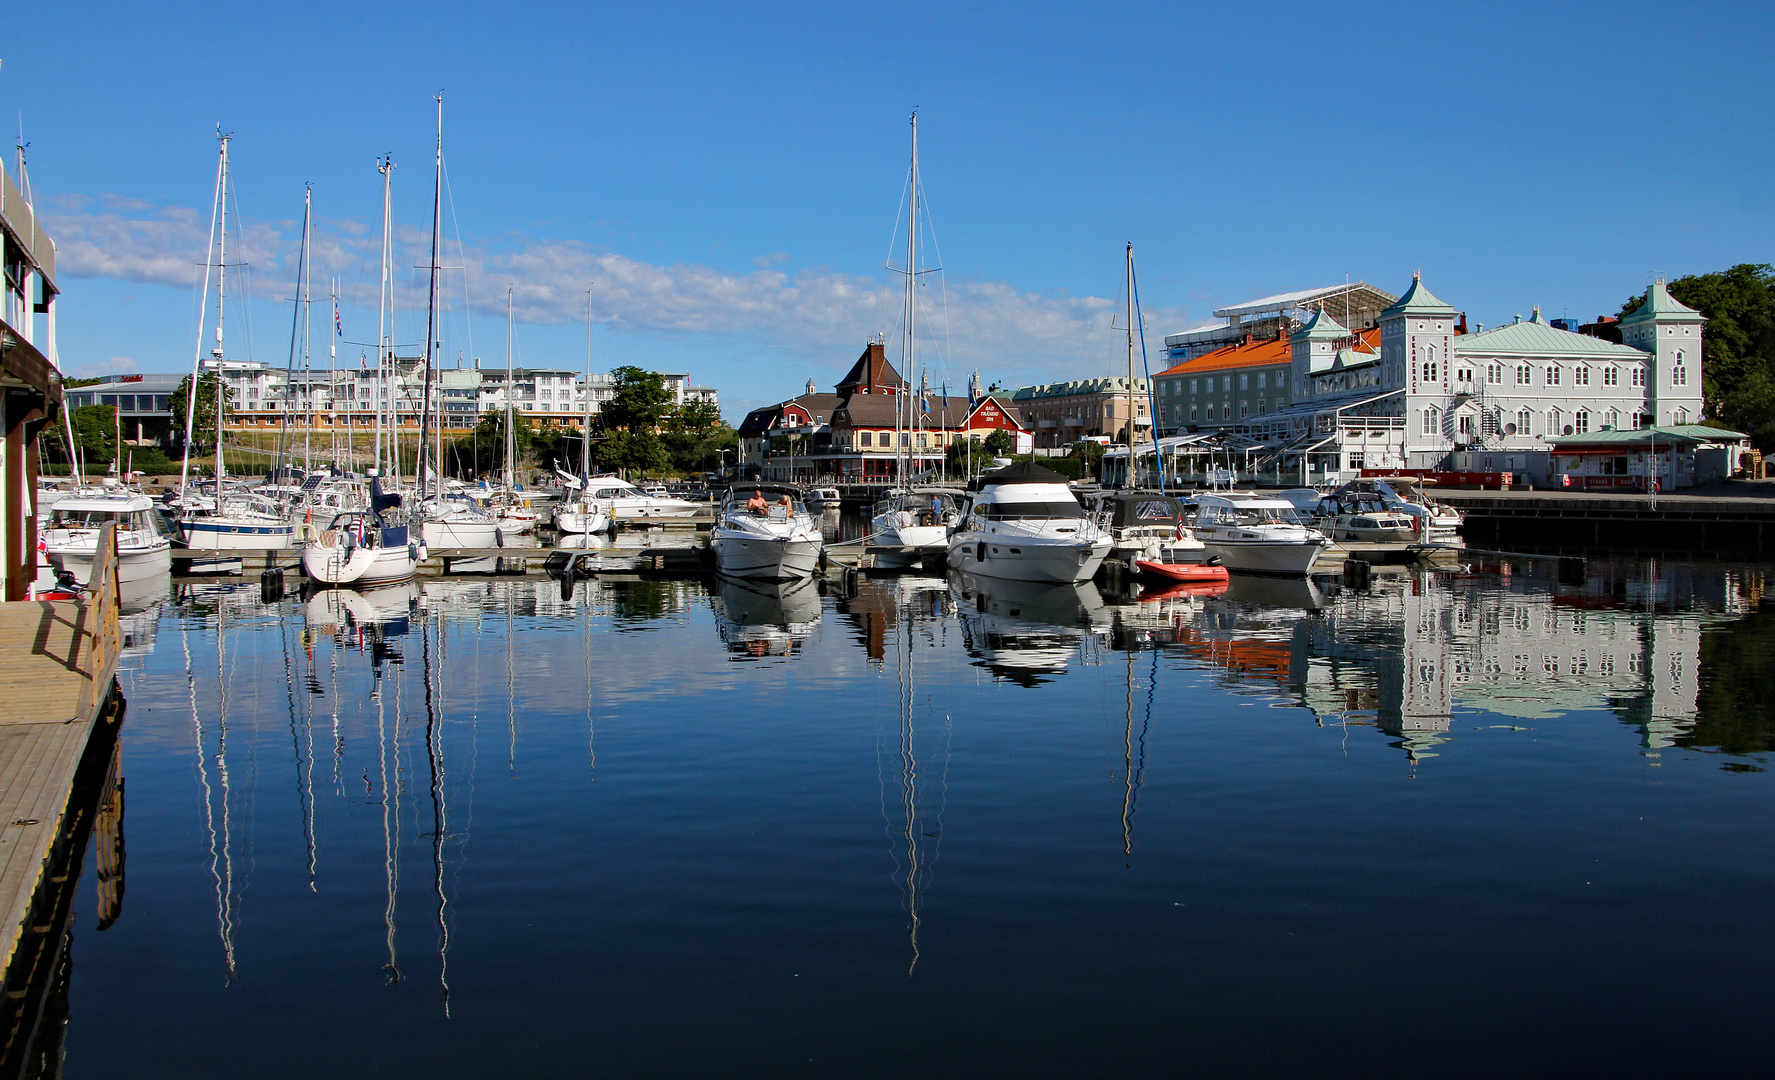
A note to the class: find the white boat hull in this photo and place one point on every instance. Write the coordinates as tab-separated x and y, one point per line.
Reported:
1268	557
220	534
132	565
461	534
914	542
577	523
771	560
340	565
1025	559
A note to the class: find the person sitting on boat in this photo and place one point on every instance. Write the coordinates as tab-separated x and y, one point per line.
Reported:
787	504
757	505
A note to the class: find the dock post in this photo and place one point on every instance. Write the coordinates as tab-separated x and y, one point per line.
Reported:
1356	573
1571	571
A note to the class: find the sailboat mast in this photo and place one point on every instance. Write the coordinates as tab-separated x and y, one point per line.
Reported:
298	341
202	319
510	443
585	442
431	312
384	305
911	304
221	316
307	330
1129	283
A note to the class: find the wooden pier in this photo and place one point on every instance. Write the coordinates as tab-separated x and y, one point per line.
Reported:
58	664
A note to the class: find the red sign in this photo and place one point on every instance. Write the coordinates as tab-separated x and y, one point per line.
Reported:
130	378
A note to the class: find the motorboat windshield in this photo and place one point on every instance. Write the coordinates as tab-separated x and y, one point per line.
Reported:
1027	511
1247	512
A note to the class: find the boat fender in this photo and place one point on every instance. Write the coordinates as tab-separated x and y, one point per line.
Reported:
980	551
1212	560
422	553
498	537
413	552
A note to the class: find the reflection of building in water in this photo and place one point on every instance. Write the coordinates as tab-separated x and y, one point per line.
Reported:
1413	650
1407	653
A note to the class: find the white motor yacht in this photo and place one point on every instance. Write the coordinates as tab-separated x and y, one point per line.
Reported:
765	532
913	523
1258	532
1025	525
823	498
627	502
144	548
364	547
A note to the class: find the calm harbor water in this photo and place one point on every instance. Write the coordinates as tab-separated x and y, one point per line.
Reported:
1461	823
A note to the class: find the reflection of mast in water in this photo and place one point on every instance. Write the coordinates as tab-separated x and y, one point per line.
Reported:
1134	752
221	860
304	768
586	638
913	832
511	692
391	839
439	809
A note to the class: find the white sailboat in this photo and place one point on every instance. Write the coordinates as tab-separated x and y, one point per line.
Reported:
912	523
364	547
584	514
444	522
238	520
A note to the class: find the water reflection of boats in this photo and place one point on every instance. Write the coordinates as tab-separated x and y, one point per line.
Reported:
1279	592
388	609
760	618
1024	630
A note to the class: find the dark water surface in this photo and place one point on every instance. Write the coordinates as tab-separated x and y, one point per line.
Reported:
1460	824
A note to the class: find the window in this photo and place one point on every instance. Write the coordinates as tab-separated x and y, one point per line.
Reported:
865	438
1192	386
1226	383
1553	374
1611	376
1263	380
1464	424
1429	371
1494	373
1226	410
1524	375
1244	409
1681	416
1639	375
1260	406
1523	422
1464	375
1641	420
1358	461
905	438
1581	420
1432	424
1192	413
1580	376
1612	419
1244	382
1679	375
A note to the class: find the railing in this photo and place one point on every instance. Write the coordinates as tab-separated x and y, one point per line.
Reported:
99	627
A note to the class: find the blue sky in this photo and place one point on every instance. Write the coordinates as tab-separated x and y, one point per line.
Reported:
726	176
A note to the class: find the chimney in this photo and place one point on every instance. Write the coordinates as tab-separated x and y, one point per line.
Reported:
1461	327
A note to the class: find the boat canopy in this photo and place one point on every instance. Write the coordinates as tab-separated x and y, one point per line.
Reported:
1131	508
1023	472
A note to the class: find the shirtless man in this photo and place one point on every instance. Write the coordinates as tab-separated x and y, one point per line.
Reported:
756	503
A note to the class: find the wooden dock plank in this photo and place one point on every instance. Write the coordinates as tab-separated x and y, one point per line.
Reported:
57	663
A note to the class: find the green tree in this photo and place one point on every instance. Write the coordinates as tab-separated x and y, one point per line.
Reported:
637	451
1738	344
95	431
1088	455
203	431
485	449
638	401
1000	442
696	418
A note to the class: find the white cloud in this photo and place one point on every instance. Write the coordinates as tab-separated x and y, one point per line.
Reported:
111	365
818	316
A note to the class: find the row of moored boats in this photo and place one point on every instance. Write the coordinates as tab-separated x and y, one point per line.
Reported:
1026	522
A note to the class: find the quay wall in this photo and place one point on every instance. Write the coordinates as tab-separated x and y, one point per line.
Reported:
1670	523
